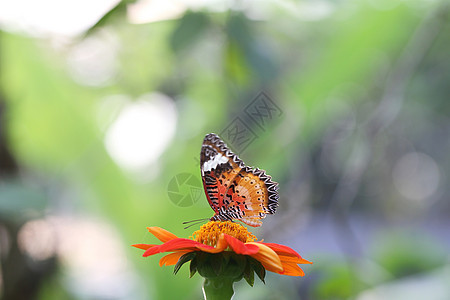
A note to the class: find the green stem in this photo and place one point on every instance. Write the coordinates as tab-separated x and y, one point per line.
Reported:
218	288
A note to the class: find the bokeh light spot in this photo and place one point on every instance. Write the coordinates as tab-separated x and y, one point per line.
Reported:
416	176
37	239
93	62
52	16
142	131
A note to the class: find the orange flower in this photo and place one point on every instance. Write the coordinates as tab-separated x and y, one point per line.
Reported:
217	237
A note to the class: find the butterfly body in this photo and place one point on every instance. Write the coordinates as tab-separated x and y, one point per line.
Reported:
234	190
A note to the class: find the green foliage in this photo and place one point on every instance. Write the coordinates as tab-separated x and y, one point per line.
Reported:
188	30
321	73
183	259
403	256
18	203
244	40
338	281
225	264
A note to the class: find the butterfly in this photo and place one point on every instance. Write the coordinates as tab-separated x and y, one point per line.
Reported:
234	190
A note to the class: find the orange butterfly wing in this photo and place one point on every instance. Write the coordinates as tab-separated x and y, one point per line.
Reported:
233	190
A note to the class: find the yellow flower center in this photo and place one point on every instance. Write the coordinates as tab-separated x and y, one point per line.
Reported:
209	233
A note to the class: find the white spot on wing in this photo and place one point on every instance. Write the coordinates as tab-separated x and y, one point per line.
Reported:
214	162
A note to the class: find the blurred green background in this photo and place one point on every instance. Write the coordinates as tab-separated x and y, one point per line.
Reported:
104	105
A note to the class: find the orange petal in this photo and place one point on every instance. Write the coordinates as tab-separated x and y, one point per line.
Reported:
172	258
172	245
178	244
162	234
282	249
221	245
151	251
267	257
291	270
293	259
239	247
143	246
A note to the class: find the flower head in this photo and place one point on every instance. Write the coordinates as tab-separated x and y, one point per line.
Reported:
224	249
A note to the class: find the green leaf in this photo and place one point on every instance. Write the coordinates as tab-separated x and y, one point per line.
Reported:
183	259
118	11
217	263
258	268
193	267
202	257
189	29
240	260
226	256
249	274
245	51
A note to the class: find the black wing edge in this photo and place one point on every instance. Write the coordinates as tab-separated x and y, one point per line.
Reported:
272	186
220	144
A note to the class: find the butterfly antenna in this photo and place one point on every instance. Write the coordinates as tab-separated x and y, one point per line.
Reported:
198	220
194	222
